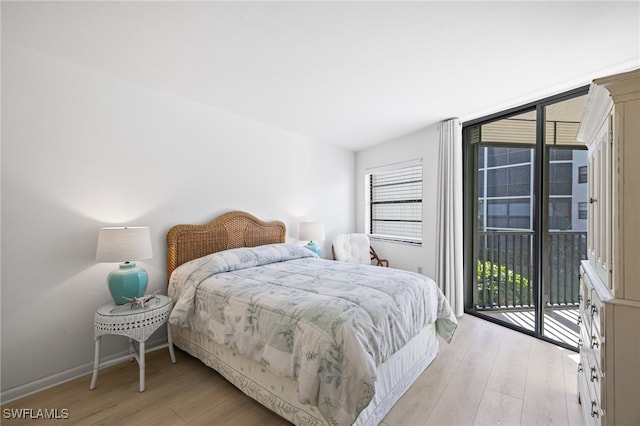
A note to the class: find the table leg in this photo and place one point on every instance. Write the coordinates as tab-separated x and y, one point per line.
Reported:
170	341
96	363
142	366
132	350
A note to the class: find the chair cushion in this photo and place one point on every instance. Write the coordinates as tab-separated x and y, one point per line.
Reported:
352	248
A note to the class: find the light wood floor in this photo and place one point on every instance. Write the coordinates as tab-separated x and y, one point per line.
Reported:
489	375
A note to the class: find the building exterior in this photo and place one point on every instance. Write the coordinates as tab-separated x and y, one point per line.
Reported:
505	188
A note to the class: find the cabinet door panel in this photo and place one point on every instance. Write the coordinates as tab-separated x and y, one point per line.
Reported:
600	203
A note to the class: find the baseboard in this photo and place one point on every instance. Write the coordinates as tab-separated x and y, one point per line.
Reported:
73	373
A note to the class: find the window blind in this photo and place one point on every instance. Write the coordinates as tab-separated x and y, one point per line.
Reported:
395	202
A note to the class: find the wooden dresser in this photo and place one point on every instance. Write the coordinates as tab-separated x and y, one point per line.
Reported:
609	369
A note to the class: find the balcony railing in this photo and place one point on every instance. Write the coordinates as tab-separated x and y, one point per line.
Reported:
505	269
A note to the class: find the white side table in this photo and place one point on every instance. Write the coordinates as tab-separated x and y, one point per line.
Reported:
136	323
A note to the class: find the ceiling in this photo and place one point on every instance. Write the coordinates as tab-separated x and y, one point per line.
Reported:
353	74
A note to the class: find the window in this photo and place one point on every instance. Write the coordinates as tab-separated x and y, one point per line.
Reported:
514	213
504	187
395	202
582	210
582	174
560	178
560	213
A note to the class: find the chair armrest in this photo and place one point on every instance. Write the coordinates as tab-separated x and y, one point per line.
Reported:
374	256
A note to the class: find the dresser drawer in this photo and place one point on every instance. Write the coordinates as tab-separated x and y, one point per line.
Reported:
592	343
585	292
597	314
585	301
596	344
593	375
591	411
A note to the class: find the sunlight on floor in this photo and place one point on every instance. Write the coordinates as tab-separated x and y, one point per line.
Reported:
560	324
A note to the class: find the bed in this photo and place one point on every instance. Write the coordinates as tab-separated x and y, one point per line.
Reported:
317	341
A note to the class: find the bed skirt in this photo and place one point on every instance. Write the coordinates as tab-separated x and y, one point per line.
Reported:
279	393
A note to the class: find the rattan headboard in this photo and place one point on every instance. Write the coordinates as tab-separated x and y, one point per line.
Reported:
230	230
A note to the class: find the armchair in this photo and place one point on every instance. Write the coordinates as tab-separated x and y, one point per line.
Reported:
355	248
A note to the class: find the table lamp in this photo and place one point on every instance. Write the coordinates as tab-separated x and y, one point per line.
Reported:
311	231
124	244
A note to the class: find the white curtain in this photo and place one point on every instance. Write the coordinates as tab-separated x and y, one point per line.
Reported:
449	269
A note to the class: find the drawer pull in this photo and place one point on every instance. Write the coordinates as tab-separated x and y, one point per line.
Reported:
593	310
580	369
594	374
594	409
594	342
592	200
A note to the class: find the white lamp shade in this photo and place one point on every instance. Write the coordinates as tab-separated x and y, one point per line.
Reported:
122	244
311	231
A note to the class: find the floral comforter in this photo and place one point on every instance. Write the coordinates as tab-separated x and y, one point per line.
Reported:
326	324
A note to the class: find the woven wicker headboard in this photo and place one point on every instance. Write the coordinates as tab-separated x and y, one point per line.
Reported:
230	230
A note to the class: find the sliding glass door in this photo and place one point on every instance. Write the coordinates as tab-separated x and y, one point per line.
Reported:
525	226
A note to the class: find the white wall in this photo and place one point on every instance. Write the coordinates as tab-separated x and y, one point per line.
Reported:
422	144
82	150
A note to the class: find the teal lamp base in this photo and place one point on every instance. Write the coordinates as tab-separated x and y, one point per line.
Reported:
128	281
313	247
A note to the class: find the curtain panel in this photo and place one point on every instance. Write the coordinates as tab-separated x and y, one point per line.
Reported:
449	267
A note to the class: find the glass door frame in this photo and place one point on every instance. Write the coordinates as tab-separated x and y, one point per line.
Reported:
540	211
